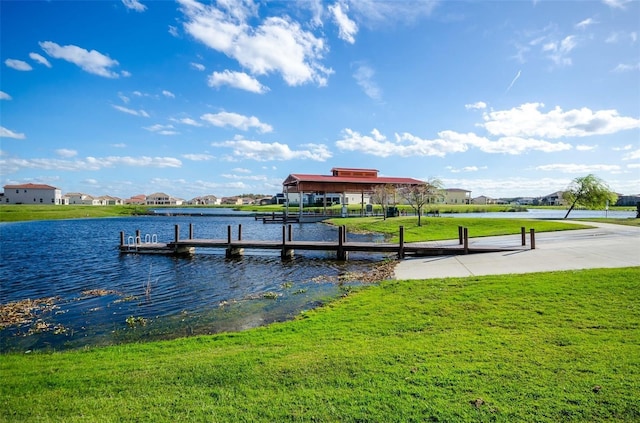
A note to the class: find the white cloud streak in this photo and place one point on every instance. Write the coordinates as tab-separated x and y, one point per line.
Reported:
11	165
4	96
134	5
364	77
8	133
131	111
347	28
40	59
19	65
260	151
238	80
92	61
237	121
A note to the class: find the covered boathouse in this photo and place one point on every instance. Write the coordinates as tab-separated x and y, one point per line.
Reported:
342	181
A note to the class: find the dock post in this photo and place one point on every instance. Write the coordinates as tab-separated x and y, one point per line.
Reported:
240	232
460	235
121	238
523	233
232	252
177	233
341	253
290	233
401	248
138	240
190	230
286	253
344	233
466	240
533	238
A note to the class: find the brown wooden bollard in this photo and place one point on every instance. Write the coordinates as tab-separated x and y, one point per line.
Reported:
177	233
290	233
344	233
533	238
240	232
284	234
460	235
190	230
229	234
122	238
137	240
341	254
466	240
523	232
401	247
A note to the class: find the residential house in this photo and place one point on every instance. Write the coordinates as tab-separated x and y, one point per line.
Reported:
162	199
456	196
32	194
234	201
206	200
107	200
553	199
80	198
483	200
139	199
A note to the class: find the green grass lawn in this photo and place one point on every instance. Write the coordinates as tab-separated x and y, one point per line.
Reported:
438	228
546	347
15	213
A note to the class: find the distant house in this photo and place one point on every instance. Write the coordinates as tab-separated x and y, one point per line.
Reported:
235	201
107	200
32	194
140	199
162	199
456	196
553	199
206	200
483	200
80	198
628	200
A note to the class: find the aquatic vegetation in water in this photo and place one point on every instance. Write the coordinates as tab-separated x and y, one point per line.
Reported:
25	312
134	322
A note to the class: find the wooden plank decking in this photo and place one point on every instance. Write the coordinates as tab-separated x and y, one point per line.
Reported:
287	246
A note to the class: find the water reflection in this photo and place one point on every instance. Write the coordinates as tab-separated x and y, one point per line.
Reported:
96	289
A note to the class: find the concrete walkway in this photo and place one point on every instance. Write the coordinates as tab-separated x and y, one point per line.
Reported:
606	245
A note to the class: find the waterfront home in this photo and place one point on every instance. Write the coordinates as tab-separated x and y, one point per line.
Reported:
32	194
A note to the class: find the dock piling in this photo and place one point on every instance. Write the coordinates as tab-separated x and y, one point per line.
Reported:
533	238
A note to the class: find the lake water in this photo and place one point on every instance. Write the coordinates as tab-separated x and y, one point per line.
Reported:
98	296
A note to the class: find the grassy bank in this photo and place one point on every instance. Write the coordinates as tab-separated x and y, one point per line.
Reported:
560	346
16	213
438	228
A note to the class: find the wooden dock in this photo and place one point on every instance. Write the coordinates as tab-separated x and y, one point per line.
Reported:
287	246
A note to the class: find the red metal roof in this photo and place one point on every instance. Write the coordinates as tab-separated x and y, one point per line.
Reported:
298	177
29	186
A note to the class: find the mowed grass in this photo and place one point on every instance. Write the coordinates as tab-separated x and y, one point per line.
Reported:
439	228
546	347
22	212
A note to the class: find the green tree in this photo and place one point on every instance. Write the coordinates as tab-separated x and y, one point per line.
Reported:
419	195
590	192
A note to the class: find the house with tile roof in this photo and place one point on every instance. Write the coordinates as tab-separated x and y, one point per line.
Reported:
32	194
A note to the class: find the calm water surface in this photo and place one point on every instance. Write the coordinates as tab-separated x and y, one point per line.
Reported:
102	297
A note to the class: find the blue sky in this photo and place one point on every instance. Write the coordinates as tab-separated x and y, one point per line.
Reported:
502	98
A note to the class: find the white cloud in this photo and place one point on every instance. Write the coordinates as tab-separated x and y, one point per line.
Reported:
173	31
134	5
476	106
616	4
626	68
559	52
237	80
64	152
276	45
119	145
40	59
19	65
374	12
4	96
237	121
578	168
8	133
586	147
198	157
168	94
88	163
364	77
162	129
260	151
241	170
513	81
623	148
90	61
586	23
187	121
634	155
466	169
527	121
244	177
130	111
347	28
408	145
197	66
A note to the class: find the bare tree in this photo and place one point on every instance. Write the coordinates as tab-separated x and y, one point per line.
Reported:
417	196
588	191
382	194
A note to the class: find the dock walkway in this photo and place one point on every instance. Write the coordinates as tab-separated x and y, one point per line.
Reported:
287	246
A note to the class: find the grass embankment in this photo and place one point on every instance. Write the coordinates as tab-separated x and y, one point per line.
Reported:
560	346
439	228
21	212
